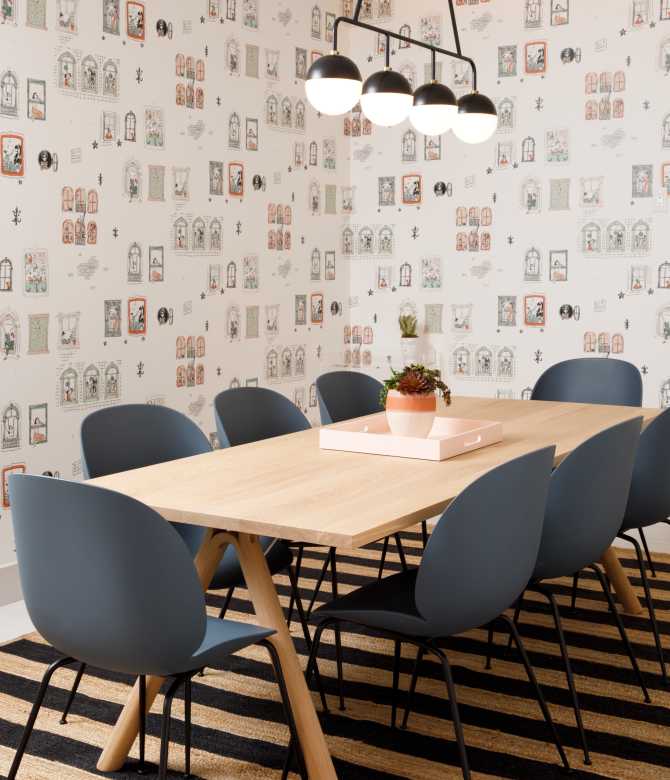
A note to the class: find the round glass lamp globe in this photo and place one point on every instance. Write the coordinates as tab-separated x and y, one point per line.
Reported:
333	84
333	96
387	98
433	120
434	110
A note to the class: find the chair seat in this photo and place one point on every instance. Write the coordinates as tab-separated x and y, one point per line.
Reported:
229	574
386	604
223	637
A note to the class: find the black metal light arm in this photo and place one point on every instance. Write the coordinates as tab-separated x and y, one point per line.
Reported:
355	22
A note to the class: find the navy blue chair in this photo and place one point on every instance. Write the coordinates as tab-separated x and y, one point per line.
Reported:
95	595
130	436
649	503
343	395
478	561
590	381
585	508
249	414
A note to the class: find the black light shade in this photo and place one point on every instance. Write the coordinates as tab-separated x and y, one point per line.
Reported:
477	118
434	94
386	98
334	66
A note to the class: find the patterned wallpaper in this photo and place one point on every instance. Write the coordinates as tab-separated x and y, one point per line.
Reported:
550	240
178	219
169	207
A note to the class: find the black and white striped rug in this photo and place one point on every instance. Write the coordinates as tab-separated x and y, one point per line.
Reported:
239	729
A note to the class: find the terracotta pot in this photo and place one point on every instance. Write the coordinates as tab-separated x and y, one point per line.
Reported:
410	415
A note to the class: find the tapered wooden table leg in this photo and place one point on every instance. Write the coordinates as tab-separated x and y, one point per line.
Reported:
126	727
619	579
269	613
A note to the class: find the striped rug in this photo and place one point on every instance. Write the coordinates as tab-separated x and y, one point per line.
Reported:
239	729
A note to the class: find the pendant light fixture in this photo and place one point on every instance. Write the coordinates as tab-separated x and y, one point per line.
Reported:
476	120
387	95
334	85
434	109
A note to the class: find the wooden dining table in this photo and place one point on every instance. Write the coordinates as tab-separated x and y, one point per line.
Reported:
288	487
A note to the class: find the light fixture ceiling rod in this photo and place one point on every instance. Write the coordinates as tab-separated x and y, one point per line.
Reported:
405	39
357	11
457	39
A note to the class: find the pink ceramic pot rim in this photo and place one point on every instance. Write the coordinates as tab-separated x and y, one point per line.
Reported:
411	403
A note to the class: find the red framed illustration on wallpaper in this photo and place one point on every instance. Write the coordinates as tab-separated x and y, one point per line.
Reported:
535	57
16	468
316	307
135	20
236	179
535	310
411	189
137	316
12	156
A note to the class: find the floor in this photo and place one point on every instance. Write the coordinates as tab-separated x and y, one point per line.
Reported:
14	622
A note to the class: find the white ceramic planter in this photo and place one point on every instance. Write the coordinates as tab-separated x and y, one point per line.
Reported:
410	415
409	348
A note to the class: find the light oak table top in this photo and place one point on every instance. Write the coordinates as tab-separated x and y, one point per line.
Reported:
289	488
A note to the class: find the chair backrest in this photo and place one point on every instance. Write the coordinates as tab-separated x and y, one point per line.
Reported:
483	550
131	436
591	381
649	499
246	414
105	578
343	395
587	500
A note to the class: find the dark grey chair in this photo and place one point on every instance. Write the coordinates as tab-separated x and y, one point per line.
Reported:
476	564
343	395
649	503
92	591
590	381
249	414
586	504
130	436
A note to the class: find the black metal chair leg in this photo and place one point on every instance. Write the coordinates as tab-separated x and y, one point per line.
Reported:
187	727
324	569
165	726
312	663
650	604
396	679
142	684
294	747
489	647
73	692
424	533
622	632
412	687
382	560
575	585
514	632
455	715
338	634
517	615
401	551
652	568
295	599
294	596
568	669
27	731
226	603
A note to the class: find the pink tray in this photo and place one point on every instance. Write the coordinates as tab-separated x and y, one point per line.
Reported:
450	436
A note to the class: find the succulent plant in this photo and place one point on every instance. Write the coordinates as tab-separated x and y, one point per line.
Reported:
407	324
415	379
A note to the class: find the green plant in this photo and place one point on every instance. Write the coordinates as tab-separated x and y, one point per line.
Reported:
415	379
407	324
